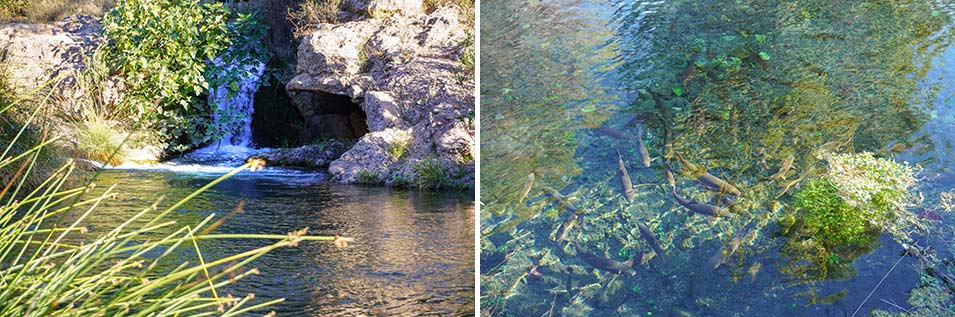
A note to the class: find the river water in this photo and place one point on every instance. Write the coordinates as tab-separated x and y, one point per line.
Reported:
412	255
740	87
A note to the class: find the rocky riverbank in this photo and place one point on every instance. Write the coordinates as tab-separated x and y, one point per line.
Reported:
393	83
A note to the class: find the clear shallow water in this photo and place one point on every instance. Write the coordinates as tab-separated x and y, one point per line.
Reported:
745	84
413	253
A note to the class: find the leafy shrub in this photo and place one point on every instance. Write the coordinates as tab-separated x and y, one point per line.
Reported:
431	175
165	48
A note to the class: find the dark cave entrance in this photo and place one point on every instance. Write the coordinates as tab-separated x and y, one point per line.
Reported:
276	122
334	117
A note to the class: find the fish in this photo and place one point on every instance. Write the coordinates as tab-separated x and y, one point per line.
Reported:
717	184
651	239
723	255
625	184
787	164
605	264
753	270
563	231
561	199
642	148
694	206
572	220
613	133
527	188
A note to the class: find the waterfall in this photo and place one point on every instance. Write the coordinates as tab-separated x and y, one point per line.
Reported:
234	103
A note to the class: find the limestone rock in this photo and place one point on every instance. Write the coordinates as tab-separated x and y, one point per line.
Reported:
315	155
405	73
37	53
371	153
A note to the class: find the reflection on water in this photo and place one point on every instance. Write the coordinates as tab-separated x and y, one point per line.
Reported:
751	92
413	253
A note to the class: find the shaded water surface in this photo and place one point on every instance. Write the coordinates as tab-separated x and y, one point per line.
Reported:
412	255
733	88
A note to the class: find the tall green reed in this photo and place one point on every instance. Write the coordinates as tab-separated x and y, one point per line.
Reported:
45	271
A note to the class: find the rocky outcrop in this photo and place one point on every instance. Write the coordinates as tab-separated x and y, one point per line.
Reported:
35	53
315	155
405	73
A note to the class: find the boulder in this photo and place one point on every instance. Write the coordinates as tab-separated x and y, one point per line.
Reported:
314	155
405	73
33	54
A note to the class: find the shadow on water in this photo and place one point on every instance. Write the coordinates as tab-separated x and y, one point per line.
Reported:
412	255
735	89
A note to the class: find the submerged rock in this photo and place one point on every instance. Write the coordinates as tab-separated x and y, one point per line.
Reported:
406	75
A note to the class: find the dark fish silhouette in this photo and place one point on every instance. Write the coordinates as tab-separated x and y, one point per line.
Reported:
613	133
694	206
714	183
605	264
626	186
651	239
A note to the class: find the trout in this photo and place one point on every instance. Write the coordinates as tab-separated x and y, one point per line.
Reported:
651	239
605	264
694	206
625	184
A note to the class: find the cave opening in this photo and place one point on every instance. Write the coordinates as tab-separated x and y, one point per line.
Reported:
333	116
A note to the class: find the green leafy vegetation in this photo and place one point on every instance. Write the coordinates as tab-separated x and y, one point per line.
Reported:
397	149
164	50
829	217
840	215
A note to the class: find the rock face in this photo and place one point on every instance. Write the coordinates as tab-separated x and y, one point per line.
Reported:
315	155
36	53
404	72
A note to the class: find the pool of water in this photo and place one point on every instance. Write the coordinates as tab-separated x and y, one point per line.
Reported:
734	88
412	255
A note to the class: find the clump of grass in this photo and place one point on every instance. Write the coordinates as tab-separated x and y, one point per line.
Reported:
399	180
312	12
98	140
431	175
397	149
367	177
121	270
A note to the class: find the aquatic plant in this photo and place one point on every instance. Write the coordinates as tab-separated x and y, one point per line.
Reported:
878	187
829	217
